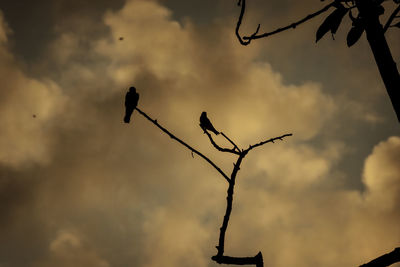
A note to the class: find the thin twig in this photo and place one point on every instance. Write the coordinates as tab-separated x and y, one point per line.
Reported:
245	40
243	4
183	143
391	18
234	145
221	148
268	141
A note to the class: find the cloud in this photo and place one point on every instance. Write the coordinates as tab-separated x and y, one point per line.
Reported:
28	107
67	249
112	194
4	29
188	71
382	175
318	225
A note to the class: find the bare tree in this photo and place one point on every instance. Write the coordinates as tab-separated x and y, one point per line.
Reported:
241	154
366	19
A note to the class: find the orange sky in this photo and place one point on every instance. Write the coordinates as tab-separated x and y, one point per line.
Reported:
78	187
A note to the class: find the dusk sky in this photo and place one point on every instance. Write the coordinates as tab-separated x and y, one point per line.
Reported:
78	187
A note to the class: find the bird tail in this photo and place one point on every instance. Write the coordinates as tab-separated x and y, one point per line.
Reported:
127	119
128	114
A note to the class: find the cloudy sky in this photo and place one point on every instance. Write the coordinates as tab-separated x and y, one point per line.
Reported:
78	187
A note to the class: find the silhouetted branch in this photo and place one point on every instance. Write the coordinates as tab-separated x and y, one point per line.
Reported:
385	260
234	145
243	4
391	18
245	40
220	258
229	200
256	260
183	143
369	12
221	148
240	22
268	141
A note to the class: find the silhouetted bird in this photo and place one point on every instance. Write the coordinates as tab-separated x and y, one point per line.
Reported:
121	38
131	101
205	123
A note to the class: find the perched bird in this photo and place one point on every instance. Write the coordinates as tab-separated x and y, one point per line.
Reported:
131	101
205	123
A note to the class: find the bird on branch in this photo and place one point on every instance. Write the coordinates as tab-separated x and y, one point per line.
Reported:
206	124
131	101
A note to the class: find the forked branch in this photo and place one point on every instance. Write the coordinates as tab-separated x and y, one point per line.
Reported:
220	257
245	40
234	145
234	150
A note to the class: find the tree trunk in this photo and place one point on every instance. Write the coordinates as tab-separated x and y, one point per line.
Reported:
369	11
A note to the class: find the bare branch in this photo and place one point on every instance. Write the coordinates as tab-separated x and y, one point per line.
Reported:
234	145
220	258
391	18
245	40
243	4
256	260
183	143
385	260
221	148
229	200
268	141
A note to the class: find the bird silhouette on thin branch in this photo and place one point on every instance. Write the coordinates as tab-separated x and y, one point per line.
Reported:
206	124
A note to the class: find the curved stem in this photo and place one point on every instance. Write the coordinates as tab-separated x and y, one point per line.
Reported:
233	151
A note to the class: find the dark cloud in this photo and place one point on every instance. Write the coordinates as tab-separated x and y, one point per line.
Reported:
35	24
81	188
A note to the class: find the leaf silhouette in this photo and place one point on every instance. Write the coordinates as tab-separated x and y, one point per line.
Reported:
354	34
332	22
